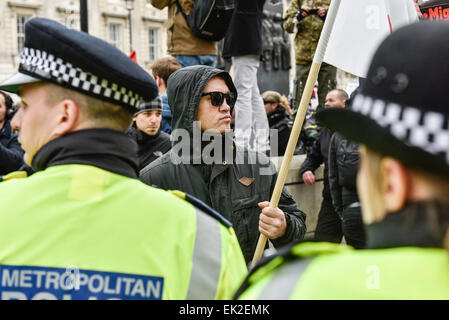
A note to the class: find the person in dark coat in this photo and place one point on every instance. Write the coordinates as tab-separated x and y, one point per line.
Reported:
329	223
205	163
11	154
243	43
343	163
146	130
278	114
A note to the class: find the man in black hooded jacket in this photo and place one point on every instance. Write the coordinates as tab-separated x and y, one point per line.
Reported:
232	180
146	130
329	223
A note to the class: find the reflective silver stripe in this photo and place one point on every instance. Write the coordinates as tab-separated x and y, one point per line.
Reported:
206	263
284	281
353	205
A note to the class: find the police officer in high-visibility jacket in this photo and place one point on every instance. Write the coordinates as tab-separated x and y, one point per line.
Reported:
83	226
402	121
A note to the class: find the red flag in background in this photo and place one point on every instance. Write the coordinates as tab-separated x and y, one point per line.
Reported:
133	56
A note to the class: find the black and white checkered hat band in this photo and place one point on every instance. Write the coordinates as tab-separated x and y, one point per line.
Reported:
49	67
426	130
155	104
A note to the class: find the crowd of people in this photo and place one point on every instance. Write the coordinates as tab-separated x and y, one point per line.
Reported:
138	183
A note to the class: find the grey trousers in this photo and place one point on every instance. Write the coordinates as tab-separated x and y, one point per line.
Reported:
251	123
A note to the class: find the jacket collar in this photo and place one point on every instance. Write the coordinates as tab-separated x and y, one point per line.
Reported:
419	224
6	130
141	137
108	149
278	112
203	152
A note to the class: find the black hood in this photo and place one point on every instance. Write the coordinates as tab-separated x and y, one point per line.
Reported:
184	90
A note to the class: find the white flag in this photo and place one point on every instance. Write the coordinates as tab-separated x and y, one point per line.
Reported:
360	26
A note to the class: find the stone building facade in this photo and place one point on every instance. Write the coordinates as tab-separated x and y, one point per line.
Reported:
107	19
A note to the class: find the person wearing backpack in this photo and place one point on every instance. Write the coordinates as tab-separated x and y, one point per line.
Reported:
243	42
182	43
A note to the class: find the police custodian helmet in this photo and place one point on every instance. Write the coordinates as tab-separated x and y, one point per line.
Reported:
401	110
81	62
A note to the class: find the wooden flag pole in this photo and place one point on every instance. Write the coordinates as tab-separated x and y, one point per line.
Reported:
300	115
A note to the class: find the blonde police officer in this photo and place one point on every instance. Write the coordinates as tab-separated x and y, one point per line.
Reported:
402	121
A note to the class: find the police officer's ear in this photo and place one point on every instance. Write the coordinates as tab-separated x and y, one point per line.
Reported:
68	117
396	184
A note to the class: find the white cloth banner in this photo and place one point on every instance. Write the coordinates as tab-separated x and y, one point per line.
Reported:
360	27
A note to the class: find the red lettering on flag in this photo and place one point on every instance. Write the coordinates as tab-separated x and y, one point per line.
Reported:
434	14
446	14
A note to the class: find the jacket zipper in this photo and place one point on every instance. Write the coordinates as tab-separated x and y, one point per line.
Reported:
207	17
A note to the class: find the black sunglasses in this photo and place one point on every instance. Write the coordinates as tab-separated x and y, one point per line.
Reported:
217	98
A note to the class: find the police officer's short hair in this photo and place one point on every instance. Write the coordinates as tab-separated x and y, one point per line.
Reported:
100	113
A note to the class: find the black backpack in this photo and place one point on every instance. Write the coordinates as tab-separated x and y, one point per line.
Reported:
209	19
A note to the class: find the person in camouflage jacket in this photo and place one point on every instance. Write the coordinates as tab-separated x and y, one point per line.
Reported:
306	18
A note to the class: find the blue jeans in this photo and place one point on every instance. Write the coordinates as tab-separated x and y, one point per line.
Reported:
166	114
186	61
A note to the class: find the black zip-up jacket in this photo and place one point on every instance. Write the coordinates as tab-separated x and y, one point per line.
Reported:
11	154
317	156
343	162
232	186
150	147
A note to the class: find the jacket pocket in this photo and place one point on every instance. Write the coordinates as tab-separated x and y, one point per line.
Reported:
245	203
348	159
347	169
245	219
